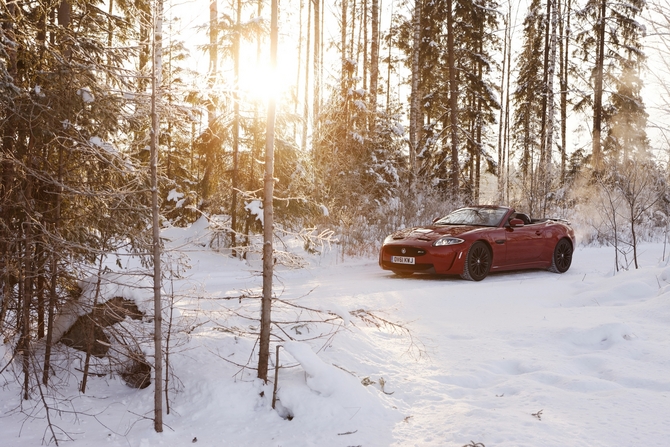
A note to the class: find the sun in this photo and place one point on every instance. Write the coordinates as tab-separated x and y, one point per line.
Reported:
258	81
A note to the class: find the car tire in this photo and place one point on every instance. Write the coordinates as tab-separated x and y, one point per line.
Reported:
403	274
562	257
477	262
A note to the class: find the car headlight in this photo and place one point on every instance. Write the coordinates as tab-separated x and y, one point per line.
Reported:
447	240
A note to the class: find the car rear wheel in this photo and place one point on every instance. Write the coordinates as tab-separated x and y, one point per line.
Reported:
477	262
562	258
403	274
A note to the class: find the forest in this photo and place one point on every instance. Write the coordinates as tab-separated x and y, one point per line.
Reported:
331	122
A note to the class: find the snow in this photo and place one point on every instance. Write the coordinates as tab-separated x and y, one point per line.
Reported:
360	105
174	195
255	208
398	129
137	289
177	197
527	358
86	94
99	142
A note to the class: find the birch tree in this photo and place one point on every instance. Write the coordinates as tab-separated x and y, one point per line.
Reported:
156	76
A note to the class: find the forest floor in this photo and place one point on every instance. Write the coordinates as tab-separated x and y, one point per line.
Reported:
520	359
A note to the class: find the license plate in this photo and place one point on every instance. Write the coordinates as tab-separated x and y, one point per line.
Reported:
402	260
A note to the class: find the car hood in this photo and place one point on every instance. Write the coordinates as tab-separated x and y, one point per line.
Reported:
432	233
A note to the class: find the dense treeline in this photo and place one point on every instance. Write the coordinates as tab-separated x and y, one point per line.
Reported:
429	104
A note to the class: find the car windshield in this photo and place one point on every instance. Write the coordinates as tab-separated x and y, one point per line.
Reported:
487	217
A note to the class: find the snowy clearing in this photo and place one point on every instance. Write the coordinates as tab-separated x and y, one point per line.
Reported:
520	359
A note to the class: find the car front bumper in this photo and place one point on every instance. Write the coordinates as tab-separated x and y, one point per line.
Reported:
447	260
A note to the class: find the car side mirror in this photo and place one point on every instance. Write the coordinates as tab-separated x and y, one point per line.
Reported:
436	219
516	223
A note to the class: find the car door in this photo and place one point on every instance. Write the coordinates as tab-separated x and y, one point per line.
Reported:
497	241
525	244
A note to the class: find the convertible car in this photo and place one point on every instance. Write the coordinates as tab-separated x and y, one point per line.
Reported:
476	240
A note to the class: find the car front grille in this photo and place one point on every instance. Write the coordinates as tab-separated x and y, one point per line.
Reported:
395	250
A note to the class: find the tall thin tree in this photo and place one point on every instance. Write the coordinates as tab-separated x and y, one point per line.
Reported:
268	212
596	143
415	118
155	212
374	61
317	64
453	99
236	124
564	58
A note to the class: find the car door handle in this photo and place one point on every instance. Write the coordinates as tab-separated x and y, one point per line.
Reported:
538	233
500	241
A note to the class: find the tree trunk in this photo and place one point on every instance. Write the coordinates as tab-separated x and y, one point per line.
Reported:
564	40
41	262
89	327
25	298
305	118
503	110
64	13
388	66
54	273
353	28
506	144
366	39
598	88
317	64
268	215
236	129
145	45
212	103
541	168
479	124
453	99
415	107
256	147
298	71
374	62
551	69
155	211
343	50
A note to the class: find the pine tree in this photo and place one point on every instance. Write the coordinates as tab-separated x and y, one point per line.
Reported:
611	31
69	193
477	107
453	98
527	122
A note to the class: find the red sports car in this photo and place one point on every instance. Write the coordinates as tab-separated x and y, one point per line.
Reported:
476	240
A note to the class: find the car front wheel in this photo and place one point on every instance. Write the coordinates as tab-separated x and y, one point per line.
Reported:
562	258
477	262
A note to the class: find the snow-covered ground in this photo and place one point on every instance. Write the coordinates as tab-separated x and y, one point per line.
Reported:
520	359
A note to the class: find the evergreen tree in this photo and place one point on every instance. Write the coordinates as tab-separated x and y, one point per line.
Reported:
459	118
611	32
477	43
626	126
527	118
69	194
